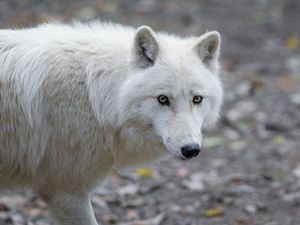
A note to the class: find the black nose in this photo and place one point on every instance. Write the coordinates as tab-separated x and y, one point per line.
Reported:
191	150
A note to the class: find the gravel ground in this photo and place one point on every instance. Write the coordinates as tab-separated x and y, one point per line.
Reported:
249	170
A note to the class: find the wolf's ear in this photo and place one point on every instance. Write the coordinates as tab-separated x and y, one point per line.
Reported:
145	47
208	49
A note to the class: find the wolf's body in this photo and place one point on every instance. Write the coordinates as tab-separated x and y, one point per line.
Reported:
77	101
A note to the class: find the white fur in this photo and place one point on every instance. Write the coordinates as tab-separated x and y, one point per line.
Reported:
75	104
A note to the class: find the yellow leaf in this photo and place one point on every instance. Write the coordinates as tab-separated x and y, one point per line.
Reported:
214	212
293	42
145	172
277	140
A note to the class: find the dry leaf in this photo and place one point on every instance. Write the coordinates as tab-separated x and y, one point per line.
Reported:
145	172
214	212
293	42
277	140
157	220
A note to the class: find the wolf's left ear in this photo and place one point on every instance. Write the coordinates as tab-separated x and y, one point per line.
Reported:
145	47
208	49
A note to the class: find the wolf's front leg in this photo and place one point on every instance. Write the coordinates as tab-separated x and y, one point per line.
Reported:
70	209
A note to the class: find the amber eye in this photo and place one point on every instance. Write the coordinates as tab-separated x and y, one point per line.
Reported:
163	100
197	99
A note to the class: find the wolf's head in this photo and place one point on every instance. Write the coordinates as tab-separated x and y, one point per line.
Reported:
172	90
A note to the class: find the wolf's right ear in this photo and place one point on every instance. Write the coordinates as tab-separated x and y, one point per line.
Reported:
145	47
208	49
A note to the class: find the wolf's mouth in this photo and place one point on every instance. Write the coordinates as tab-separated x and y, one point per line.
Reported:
182	158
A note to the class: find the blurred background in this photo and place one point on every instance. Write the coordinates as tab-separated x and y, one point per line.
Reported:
249	169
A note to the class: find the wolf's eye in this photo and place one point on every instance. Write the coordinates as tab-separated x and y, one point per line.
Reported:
197	99
163	100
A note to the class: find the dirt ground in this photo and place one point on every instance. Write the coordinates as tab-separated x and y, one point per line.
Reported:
249	170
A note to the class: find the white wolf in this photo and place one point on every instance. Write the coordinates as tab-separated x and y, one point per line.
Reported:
77	101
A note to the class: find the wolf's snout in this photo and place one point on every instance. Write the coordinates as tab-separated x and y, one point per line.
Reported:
191	150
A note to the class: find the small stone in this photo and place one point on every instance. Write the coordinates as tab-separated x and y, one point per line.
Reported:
250	209
293	64
240	189
262	132
18	218
295	99
194	185
186	210
157	220
132	215
13	201
205	198
197	181
228	200
292	198
175	208
296	171
182	172
130	189
244	89
260	117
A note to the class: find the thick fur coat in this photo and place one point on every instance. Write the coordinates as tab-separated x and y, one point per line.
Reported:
78	101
